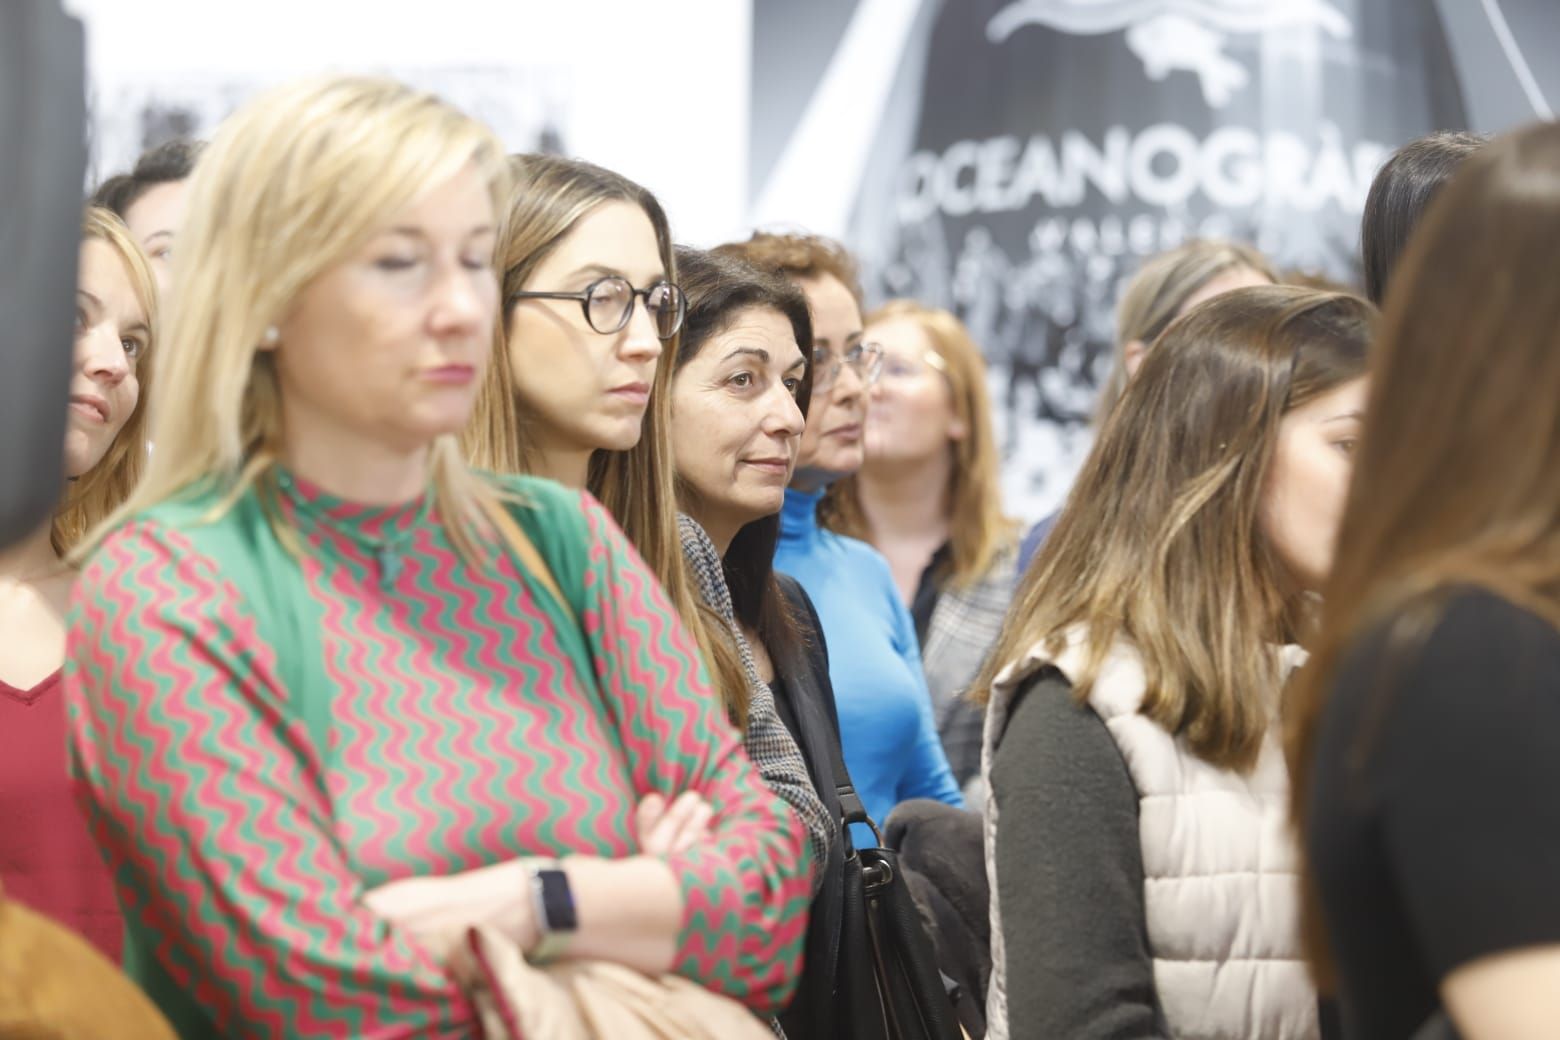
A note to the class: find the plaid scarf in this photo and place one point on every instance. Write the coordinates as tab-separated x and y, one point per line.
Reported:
769	744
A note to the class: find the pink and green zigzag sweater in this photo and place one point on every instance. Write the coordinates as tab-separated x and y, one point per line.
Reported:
470	720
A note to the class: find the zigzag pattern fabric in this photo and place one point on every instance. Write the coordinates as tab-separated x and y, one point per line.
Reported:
462	733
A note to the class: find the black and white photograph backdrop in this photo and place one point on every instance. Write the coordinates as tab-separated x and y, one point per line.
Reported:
1012	160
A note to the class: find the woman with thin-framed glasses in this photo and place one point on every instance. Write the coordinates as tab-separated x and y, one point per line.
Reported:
929	498
591	317
886	724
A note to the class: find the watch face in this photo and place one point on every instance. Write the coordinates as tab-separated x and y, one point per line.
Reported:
557	901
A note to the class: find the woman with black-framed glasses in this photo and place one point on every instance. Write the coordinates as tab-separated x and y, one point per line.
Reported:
592	313
608	304
591	304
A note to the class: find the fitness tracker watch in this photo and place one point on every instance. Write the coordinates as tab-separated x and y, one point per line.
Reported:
552	905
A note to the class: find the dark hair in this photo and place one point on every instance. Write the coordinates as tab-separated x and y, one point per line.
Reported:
168	163
719	286
1399	195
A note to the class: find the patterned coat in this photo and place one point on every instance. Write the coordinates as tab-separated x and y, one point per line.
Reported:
965	625
769	744
398	710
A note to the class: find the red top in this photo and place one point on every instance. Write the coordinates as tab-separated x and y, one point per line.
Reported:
48	859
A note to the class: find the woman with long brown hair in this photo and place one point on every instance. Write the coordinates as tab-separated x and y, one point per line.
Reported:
1426	737
47	858
1142	880
929	498
591	319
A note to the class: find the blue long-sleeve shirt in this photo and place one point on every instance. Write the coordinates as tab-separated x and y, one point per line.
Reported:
886	726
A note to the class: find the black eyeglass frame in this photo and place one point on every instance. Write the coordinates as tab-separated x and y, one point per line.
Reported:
583	296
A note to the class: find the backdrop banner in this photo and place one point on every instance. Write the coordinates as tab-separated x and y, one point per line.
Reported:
1059	142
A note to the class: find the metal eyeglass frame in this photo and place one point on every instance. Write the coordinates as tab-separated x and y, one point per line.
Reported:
865	358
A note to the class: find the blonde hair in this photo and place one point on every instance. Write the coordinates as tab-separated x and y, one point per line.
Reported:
978	529
94	495
292	183
1161	543
1157	293
550	195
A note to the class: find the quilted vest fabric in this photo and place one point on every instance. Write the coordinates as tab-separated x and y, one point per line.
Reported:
1220	864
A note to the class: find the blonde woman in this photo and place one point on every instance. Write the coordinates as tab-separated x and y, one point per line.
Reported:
591	320
928	498
1165	287
323	718
47	858
1144	882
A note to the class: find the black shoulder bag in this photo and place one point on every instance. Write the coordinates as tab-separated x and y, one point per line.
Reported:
888	986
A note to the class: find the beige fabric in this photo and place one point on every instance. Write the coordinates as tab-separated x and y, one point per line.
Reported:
55	986
586	1000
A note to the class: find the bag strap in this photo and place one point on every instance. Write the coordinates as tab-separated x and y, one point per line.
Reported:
526	553
851	808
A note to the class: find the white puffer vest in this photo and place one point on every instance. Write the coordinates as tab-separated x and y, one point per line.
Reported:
1220	866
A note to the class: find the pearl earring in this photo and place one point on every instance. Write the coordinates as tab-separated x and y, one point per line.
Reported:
272	336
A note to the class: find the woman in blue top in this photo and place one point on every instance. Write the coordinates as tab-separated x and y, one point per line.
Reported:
886	726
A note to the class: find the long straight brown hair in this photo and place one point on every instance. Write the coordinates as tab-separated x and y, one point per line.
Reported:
1161	543
550	196
978	528
1457	480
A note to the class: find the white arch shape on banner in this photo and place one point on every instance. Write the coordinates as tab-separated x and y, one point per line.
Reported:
815	182
1519	65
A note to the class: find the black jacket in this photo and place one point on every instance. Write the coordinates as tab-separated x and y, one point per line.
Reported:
811	716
